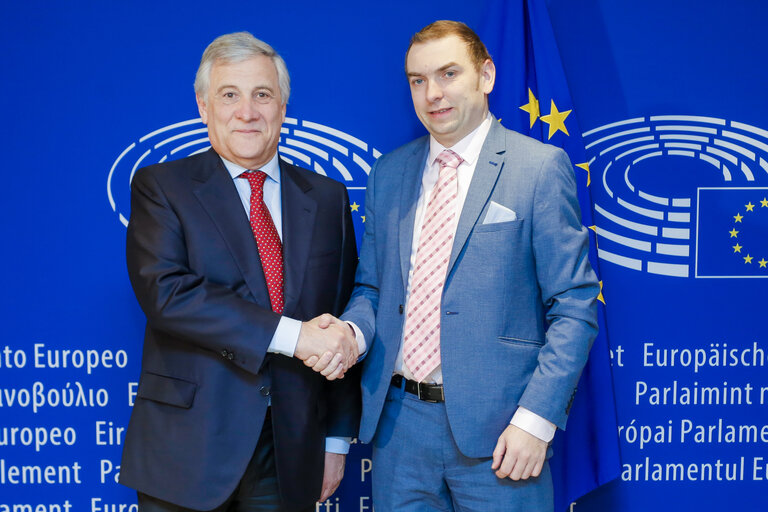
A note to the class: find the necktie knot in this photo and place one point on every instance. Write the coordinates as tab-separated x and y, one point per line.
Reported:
255	178
448	158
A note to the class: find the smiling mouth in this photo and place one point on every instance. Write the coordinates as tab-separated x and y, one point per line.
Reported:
441	111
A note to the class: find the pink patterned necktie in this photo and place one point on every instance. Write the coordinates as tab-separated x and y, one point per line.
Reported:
267	239
421	345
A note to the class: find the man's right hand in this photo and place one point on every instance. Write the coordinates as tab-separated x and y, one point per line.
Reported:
327	345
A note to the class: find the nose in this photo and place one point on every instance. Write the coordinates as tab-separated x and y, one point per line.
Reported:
434	91
247	110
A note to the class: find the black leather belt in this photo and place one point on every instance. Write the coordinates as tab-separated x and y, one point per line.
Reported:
426	392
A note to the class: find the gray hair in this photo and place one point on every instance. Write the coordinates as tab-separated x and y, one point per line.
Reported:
237	47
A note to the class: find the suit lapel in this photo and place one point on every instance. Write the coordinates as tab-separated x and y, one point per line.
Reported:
410	186
299	210
489	165
218	195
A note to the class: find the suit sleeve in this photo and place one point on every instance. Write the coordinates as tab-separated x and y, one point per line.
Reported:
569	290
177	301
345	401
364	303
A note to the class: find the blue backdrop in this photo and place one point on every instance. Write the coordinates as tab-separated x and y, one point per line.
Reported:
85	82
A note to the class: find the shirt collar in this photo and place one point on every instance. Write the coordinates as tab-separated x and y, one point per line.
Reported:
271	169
467	148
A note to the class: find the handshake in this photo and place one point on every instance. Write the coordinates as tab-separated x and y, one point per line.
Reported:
328	346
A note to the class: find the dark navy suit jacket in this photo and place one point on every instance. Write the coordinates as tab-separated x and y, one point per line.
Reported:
206	376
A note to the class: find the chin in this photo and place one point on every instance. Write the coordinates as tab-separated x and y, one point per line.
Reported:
250	153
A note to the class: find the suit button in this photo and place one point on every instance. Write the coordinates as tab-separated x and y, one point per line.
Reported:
224	353
400	309
265	391
230	356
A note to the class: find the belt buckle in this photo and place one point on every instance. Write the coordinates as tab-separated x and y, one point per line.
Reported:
430	400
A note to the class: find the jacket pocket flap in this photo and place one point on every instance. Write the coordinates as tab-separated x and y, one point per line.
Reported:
521	341
168	390
499	226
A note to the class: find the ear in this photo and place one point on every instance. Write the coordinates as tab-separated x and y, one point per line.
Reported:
487	76
202	108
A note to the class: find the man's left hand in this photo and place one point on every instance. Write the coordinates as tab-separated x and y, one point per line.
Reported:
333	473
518	454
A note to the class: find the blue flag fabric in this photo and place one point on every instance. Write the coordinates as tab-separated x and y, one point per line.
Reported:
531	96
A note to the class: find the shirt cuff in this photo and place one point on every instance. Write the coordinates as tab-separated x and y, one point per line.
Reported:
361	345
338	444
534	424
286	337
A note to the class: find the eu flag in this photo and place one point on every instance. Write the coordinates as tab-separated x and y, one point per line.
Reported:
531	96
732	232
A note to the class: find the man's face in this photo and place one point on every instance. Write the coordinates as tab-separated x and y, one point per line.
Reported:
244	111
449	94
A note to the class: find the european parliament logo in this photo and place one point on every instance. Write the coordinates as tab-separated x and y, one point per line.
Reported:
681	196
315	146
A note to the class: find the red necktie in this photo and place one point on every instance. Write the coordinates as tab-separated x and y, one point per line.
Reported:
267	239
421	345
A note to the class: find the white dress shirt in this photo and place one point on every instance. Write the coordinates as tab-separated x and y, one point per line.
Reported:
287	333
468	149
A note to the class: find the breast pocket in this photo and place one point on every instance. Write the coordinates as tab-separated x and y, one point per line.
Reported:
495	253
512	225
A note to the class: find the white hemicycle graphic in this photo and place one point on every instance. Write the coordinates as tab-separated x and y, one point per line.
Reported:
647	223
315	146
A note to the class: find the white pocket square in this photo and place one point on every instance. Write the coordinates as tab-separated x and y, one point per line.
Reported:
498	213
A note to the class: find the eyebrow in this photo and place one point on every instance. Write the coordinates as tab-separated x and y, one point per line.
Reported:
441	68
258	87
226	86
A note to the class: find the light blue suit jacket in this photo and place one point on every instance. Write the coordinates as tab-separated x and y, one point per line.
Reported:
518	311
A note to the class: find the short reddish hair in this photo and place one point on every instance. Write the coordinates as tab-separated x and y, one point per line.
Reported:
478	53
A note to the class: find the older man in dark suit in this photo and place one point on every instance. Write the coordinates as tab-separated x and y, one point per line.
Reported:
230	253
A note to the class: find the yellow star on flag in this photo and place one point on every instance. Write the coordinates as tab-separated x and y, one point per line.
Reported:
747	259
354	206
363	217
556	120
764	203
594	228
585	166
532	107
737	248
738	217
734	233
749	206
600	295
763	263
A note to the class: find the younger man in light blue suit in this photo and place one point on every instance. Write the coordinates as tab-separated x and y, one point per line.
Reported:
460	412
